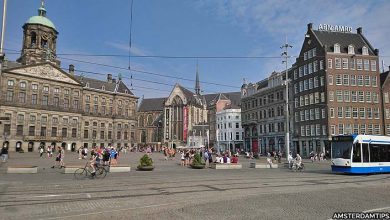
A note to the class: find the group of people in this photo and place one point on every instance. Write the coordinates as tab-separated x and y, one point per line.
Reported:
317	156
226	158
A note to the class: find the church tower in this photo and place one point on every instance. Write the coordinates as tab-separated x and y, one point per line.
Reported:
197	84
39	40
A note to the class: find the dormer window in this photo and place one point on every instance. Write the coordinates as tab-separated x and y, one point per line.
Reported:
126	91
336	48
351	49
365	50
103	88
87	85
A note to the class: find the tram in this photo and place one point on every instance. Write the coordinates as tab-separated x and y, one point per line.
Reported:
360	154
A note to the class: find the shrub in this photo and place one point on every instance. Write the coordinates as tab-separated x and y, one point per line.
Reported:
145	161
197	160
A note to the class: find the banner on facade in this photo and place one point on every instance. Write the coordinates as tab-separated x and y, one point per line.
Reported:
185	123
167	124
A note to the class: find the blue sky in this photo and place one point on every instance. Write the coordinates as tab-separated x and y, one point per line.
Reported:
191	28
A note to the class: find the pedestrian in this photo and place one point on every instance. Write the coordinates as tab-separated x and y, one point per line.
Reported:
206	156
48	151
62	157
4	154
290	159
210	157
58	159
41	152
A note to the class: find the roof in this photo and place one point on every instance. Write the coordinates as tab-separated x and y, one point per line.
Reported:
383	77
155	104
10	65
118	87
41	20
232	106
329	39
187	93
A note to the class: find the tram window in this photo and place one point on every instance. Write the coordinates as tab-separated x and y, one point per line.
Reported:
380	153
366	157
356	157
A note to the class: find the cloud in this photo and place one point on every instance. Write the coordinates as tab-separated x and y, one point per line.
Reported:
137	51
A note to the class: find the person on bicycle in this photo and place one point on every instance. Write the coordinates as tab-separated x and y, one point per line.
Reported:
298	160
92	162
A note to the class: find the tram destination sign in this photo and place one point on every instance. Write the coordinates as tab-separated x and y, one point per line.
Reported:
342	138
334	28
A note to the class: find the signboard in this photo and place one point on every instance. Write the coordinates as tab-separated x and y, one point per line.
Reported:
167	124
185	123
334	28
342	138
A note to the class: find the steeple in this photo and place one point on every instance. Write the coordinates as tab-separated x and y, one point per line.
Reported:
197	85
42	10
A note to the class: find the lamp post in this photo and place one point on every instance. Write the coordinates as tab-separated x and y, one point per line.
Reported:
285	56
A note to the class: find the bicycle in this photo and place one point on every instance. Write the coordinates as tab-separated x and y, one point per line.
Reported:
82	173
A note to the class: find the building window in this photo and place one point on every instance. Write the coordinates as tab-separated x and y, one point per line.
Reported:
66	91
33	118
353	80
22	97
333	130
345	63
19	130
321	64
43	131
31	131
375	97
386	97
101	134
365	50
339	80
345	79
76	104
354	112
45	100
366	65
348	112
85	134
54	132
337	63
347	96
94	134
10	96
369	113
368	97
330	79
22	85
331	112
359	64
330	63
34	99
336	48
340	112
74	132
34	86
10	83
351	49
352	64
341	128
56	101
360	80
354	96
355	129
361	96
362	113
339	96
46	88
64	132
363	129
66	103
322	81
118	135
374	81
331	96
56	90
373	65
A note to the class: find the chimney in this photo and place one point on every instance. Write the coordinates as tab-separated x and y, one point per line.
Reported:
71	69
309	26
376	51
359	30
109	78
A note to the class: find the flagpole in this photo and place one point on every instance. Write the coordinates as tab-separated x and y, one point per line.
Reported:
3	27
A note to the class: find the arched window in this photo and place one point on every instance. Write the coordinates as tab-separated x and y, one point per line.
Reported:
140	121
337	48
33	38
351	49
150	120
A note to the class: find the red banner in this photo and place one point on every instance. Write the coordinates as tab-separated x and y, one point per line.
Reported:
185	123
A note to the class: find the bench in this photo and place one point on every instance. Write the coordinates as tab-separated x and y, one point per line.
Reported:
22	169
225	166
120	169
263	166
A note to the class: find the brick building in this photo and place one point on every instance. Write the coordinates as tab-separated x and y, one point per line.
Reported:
336	89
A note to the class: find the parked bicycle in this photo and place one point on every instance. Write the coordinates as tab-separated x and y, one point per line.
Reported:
86	172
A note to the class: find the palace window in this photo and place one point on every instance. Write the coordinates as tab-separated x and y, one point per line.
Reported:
351	49
336	48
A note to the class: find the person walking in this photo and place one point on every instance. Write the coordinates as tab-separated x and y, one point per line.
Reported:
41	152
290	160
4	154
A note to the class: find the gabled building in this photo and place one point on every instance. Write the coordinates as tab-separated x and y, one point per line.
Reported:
336	88
385	86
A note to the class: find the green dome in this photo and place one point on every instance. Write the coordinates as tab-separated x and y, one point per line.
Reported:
41	20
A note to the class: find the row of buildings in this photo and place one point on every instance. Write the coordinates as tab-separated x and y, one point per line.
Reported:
335	87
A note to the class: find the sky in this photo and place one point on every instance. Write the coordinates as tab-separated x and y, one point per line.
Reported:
194	31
